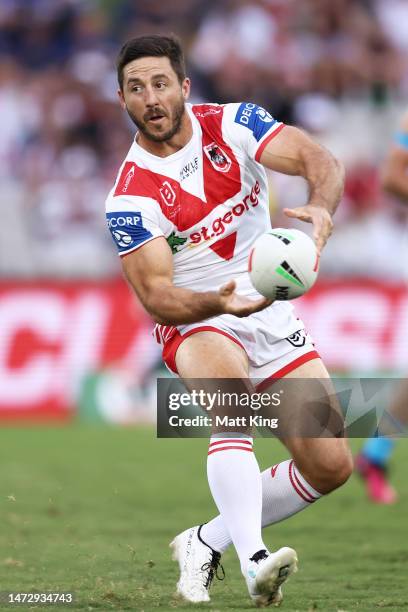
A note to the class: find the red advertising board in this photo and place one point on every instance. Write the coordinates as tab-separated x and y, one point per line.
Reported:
358	325
53	334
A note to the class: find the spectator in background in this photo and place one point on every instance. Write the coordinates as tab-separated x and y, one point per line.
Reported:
373	460
337	67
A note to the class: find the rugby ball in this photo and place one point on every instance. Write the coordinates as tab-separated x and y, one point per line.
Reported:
283	264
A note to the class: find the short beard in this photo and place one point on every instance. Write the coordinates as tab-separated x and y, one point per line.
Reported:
178	113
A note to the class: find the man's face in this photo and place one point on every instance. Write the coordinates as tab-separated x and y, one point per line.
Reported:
153	97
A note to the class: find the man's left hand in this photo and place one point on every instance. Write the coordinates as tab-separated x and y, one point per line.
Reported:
319	216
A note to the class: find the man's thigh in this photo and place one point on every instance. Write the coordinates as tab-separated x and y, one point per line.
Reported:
311	421
208	354
212	363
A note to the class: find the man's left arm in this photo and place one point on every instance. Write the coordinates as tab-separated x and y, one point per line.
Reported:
293	152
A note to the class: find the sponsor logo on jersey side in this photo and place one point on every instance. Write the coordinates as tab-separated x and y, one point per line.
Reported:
219	225
255	118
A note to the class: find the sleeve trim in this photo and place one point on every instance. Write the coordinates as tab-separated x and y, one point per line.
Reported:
123	254
262	146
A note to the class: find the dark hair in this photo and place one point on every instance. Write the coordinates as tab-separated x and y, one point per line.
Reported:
152	46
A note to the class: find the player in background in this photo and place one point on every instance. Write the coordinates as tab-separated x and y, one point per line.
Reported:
189	201
372	461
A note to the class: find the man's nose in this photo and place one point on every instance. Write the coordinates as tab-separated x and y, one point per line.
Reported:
151	97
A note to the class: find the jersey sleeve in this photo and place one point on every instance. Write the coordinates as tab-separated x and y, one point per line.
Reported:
250	127
132	221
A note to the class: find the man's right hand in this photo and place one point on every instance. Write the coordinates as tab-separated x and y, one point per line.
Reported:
238	305
149	270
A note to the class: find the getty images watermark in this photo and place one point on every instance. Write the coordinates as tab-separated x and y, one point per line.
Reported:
285	408
224	401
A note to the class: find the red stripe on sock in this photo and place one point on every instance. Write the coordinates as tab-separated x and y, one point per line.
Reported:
298	491
229	440
216	450
298	482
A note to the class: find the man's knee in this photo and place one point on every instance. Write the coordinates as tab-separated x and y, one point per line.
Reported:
329	472
337	471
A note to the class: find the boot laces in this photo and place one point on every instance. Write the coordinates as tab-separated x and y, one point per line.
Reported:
211	569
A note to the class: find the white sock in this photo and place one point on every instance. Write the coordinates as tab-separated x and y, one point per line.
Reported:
284	492
235	483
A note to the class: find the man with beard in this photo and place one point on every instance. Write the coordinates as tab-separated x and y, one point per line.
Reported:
190	199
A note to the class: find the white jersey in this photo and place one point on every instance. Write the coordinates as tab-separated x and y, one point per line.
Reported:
209	200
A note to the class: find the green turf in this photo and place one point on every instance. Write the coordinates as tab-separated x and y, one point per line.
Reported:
92	510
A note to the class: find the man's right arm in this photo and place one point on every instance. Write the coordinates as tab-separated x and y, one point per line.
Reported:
149	270
395	169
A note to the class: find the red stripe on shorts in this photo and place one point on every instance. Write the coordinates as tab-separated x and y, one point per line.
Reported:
286	369
171	345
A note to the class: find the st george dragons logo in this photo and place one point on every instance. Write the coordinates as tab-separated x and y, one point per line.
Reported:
217	157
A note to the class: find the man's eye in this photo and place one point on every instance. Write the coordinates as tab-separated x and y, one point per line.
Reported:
161	85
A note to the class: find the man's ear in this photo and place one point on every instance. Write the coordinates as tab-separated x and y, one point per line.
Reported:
121	99
185	88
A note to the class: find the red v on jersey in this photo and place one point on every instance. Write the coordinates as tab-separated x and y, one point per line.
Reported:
221	179
221	174
225	247
180	207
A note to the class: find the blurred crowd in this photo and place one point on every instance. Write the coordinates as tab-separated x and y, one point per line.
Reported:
338	68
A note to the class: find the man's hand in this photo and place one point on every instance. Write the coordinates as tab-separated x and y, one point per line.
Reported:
294	152
171	305
238	305
321	219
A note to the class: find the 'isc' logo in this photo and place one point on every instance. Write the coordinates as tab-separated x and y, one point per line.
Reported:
124	221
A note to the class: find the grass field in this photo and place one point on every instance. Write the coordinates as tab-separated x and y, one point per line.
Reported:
92	510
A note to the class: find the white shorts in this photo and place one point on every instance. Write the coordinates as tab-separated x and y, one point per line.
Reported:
274	340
